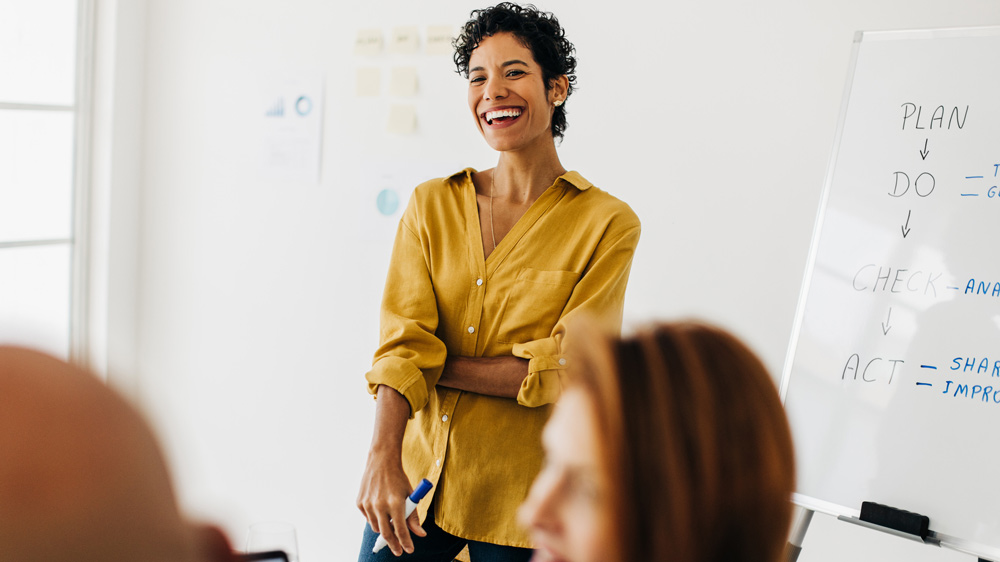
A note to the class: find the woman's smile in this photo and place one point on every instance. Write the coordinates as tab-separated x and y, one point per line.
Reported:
501	117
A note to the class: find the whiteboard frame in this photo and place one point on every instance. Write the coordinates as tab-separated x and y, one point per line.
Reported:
808	502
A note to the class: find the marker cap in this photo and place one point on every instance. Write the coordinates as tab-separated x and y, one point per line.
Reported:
421	490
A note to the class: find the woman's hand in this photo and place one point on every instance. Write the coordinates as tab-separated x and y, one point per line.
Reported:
384	488
384	485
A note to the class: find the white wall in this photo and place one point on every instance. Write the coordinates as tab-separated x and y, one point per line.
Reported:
258	300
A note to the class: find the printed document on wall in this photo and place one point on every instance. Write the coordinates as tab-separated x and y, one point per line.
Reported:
291	116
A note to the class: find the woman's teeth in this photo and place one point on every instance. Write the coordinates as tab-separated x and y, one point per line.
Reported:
500	114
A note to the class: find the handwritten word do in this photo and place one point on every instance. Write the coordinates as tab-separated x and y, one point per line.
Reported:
923	184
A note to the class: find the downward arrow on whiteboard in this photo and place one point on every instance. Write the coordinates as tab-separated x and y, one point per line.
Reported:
885	325
906	227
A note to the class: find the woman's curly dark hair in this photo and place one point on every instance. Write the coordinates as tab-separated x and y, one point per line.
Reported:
537	30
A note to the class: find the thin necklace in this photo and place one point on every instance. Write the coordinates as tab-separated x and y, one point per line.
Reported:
492	231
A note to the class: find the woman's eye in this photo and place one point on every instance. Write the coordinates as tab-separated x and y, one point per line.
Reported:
515	73
477	79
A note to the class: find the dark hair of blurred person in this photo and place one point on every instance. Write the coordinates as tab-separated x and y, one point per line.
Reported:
669	445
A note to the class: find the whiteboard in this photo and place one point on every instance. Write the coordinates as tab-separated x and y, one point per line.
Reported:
892	381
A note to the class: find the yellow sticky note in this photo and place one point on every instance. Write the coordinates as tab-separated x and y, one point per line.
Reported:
368	82
404	40
403	81
439	39
368	42
402	119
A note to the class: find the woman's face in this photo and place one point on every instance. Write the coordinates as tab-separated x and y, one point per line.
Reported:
566	511
507	94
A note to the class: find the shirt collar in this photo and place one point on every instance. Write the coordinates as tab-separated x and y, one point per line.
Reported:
572	177
576	180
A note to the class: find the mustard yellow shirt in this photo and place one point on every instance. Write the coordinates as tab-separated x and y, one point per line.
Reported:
569	254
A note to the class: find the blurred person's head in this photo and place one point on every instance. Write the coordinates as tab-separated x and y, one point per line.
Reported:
82	478
669	445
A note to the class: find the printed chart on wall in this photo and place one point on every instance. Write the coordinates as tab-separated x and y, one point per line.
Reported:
892	382
291	125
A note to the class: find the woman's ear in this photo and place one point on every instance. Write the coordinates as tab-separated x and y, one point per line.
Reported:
558	88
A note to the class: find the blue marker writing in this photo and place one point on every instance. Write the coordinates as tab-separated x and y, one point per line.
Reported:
411	504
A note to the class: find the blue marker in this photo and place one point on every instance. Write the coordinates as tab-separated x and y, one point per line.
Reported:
411	504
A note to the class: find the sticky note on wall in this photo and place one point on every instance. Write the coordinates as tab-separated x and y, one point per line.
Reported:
404	40
403	81
368	82
368	42
439	39
402	119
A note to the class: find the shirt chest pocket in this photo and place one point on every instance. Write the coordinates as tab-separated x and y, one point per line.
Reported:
534	304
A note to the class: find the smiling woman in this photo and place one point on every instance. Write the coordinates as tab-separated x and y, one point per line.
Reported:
487	269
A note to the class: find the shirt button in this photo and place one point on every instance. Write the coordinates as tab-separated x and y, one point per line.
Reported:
471	329
562	361
444	417
437	462
479	282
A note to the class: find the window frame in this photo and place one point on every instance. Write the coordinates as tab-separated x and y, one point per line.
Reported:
79	240
79	337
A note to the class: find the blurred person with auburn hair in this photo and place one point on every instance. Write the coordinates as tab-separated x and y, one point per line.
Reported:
669	445
82	478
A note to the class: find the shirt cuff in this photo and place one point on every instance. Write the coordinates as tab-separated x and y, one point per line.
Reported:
546	368
403	376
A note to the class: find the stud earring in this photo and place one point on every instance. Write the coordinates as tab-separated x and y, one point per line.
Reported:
558	103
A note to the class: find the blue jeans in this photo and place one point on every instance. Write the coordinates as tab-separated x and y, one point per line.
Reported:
439	546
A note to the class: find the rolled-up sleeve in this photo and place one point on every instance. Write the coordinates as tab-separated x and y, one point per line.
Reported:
599	295
410	356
